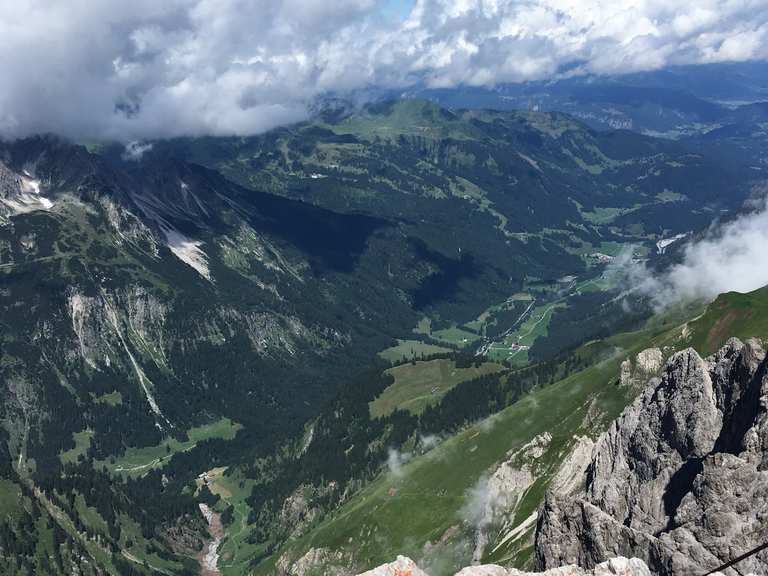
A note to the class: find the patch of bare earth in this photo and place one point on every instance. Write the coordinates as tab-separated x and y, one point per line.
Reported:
209	556
720	331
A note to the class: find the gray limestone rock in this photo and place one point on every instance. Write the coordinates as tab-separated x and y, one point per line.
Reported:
614	567
680	479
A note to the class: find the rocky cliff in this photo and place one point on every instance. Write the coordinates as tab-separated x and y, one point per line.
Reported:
680	480
615	567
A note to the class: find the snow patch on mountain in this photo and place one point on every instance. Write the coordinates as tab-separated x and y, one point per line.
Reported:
21	193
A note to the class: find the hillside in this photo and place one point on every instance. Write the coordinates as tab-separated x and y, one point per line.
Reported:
160	320
474	495
511	200
675	485
677	102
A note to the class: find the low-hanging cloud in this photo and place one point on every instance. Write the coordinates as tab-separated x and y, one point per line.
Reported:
135	150
107	69
396	460
731	257
482	504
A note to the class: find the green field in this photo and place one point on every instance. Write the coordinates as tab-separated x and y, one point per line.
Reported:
236	551
82	443
10	497
481	322
404	117
423	384
409	349
606	215
455	336
611	248
137	461
669	196
113	398
535	325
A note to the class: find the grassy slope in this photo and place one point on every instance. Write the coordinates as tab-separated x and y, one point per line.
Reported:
410	349
136	461
398	514
733	314
413	387
235	551
82	443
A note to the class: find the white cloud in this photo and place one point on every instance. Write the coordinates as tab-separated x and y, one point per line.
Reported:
143	69
730	258
396	460
479	499
135	150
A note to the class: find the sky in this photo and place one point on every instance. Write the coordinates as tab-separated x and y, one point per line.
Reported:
116	70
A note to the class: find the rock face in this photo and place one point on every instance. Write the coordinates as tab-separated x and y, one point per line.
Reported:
615	567
570	476
647	363
403	566
318	561
680	480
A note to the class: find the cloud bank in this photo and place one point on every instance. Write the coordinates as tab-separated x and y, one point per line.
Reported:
108	69
732	257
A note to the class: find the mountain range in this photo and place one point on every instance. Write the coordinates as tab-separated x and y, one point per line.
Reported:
323	346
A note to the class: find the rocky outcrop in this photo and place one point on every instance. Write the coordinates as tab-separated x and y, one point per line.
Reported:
615	567
647	363
680	480
318	561
403	566
570	475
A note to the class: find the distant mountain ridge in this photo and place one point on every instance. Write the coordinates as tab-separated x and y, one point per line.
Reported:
507	191
674	102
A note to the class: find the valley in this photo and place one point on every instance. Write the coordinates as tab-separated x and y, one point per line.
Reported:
320	347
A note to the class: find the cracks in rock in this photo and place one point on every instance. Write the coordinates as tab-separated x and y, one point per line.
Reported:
679	485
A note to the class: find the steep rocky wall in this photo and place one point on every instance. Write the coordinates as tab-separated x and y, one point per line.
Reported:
616	566
680	480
